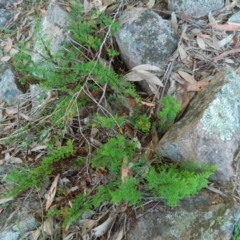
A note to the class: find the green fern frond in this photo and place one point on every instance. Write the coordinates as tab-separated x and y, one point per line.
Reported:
174	183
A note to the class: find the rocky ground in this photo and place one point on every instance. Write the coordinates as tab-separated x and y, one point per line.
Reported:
190	50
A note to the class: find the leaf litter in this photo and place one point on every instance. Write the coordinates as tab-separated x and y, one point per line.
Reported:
202	50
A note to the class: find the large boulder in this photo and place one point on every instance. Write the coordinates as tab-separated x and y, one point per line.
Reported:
209	133
203	217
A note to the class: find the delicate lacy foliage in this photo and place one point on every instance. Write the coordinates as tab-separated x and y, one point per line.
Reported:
25	178
107	122
141	122
127	192
111	154
174	183
169	111
80	205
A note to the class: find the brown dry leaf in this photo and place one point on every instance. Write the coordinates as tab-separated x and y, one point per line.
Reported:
16	16
52	192
177	78
35	149
9	44
152	145
5	58
204	36
211	44
201	43
19	34
173	22
189	78
95	142
25	117
120	235
184	16
129	130
94	132
131	102
87	224
48	226
11	111
1	210
227	27
211	19
14	160
182	52
236	41
13	52
87	6
228	60
233	51
125	171
42	11
148	104
185	98
149	77
35	235
230	5
213	189
150	3
197	87
17	3
2	162
102	229
133	77
225	40
5	200
146	67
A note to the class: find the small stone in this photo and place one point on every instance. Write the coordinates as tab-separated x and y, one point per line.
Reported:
145	38
9	90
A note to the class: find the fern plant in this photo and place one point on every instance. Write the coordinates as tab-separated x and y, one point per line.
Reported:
24	178
80	205
168	113
174	183
127	192
112	153
141	122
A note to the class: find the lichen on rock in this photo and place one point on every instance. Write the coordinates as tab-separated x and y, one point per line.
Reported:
221	117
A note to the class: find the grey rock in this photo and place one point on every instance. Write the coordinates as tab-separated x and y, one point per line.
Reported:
28	223
235	18
5	17
202	217
52	31
196	8
9	235
6	3
145	38
16	223
209	133
9	90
